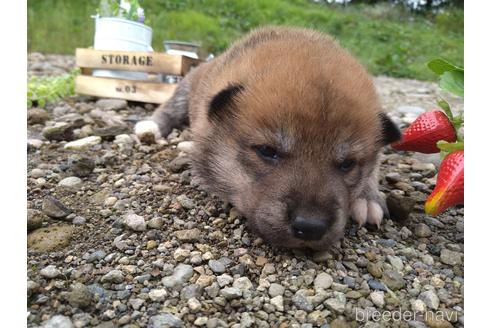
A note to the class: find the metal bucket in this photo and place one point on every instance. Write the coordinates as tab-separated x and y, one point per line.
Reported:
124	35
179	48
182	48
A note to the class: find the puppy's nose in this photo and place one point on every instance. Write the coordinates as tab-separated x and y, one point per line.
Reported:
309	228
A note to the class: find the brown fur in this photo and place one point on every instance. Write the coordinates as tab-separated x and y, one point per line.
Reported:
302	94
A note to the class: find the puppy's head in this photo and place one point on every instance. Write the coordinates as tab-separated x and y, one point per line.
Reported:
292	159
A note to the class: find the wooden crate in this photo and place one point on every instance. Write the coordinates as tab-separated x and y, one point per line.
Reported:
151	91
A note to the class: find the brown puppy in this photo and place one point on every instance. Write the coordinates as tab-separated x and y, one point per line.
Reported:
287	127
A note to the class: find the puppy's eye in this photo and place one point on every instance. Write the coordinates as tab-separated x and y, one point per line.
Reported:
266	152
347	165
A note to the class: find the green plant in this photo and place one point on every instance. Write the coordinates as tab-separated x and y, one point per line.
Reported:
43	90
128	9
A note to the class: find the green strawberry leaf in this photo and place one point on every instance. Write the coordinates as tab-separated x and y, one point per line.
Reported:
440	66
445	107
454	82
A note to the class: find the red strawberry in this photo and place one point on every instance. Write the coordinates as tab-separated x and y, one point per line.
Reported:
423	134
450	185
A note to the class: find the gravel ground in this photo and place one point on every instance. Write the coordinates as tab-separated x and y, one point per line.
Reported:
121	235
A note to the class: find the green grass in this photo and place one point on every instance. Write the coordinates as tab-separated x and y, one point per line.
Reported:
388	40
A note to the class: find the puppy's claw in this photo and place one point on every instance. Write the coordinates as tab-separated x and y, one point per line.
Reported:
147	131
367	211
359	211
374	213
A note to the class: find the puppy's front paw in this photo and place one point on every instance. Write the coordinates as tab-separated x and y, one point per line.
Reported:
147	131
367	211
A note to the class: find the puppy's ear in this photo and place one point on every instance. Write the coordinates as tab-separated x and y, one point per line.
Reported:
224	103
389	131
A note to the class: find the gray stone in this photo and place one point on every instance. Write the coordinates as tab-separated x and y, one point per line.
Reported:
113	276
339	287
181	274
181	254
400	206
111	104
37	173
188	235
418	306
190	291
276	290
409	252
110	132
301	302
166	320
79	220
83	144
451	257
316	318
80	296
393	177
134	222
319	297
375	268
349	281
336	303
157	295
50	272
427	169
124	142
278	302
422	230
58	132
224	279
81	166
216	266
155	223
201	321
430	299
231	293
136	303
34	144
81	320
54	208
420	186
186	202
393	280
323	281
378	298
395	262
58	321
390	243
428	259
179	164
70	183
37	116
242	283
194	305
246	320
32	287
